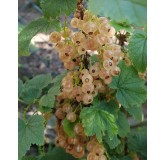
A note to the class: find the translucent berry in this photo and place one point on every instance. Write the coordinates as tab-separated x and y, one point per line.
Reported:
74	22
73	140
78	129
59	113
90	145
87	98
87	79
115	71
71	116
98	150
66	108
102	157
55	37
108	64
87	88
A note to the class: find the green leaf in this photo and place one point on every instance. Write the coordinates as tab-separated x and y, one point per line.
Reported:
136	112
126	158
94	59
130	87
20	87
137	49
123	125
97	121
29	158
112	143
57	154
39	81
111	106
68	127
47	101
25	36
55	8
55	89
31	132
59	78
30	94
121	26
137	142
135	11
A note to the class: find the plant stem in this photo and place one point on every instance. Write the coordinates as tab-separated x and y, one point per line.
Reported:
20	100
25	112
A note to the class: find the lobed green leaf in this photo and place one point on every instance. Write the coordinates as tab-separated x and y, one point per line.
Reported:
130	87
37	26
123	125
20	87
97	121
137	49
55	8
39	81
134	11
30	132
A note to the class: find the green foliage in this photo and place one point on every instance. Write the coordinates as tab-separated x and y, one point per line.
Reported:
68	127
121	25
123	125
30	94
57	80
138	50
97	121
130	88
136	112
39	81
55	8
111	106
57	154
30	132
20	87
134	11
55	89
137	142
29	158
36	26
113	142
46	102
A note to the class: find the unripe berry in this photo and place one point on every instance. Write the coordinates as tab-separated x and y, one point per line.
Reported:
90	145
94	70
102	157
66	108
104	28
87	79
115	71
78	148
103	20
71	116
89	27
59	113
72	140
98	150
108	64
87	88
78	129
81	50
87	98
69	65
74	22
92	156
55	37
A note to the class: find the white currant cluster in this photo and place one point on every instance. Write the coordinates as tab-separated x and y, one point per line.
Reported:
85	80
